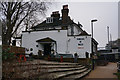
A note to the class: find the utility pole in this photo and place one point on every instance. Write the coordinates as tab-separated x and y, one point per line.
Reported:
111	41
108	33
92	21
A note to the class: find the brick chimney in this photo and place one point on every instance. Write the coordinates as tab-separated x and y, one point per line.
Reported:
65	12
55	14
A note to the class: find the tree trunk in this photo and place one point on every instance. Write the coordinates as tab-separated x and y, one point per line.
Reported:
6	39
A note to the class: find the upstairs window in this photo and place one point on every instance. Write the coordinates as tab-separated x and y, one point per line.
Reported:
49	20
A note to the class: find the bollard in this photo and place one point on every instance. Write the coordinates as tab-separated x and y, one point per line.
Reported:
48	58
20	58
24	58
61	59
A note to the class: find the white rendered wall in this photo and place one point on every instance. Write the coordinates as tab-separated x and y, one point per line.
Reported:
29	39
65	44
73	46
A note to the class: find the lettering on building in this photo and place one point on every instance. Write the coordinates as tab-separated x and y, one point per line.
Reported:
80	43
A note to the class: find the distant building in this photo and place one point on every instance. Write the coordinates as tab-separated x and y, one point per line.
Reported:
111	51
113	44
58	34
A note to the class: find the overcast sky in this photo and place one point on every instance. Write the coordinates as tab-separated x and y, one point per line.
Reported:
105	12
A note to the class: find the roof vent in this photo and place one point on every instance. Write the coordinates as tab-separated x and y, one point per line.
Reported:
49	20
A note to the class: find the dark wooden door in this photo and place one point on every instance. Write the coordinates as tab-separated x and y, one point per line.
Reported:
47	49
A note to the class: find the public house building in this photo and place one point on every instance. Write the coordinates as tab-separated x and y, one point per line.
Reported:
59	34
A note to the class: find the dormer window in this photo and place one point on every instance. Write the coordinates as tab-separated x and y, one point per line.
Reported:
49	20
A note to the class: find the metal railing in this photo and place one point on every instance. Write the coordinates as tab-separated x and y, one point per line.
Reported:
118	66
13	49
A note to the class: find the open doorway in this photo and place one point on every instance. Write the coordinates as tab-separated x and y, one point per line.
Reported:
47	44
47	49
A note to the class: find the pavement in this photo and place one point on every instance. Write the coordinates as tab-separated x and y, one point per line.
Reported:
104	72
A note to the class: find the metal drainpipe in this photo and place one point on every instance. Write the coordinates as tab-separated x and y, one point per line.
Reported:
56	47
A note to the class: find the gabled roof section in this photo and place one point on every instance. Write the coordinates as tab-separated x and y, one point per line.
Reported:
95	41
46	40
84	33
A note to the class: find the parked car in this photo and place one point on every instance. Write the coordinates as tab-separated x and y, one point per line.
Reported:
118	66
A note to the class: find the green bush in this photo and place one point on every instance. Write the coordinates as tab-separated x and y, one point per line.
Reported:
118	75
6	55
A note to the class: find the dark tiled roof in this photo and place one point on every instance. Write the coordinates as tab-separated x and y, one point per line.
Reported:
56	22
84	33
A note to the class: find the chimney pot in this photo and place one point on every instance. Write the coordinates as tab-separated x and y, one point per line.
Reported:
65	6
65	12
55	14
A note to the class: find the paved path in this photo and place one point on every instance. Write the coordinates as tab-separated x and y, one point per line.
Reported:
104	71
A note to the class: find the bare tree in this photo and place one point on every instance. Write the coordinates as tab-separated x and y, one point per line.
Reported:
15	14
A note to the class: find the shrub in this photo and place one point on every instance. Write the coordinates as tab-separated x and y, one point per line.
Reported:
7	55
118	75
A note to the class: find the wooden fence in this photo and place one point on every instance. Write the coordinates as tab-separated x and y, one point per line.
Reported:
13	49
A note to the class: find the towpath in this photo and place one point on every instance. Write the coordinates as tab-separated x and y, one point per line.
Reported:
104	72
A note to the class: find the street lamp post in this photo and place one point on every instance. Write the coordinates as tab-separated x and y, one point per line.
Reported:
92	42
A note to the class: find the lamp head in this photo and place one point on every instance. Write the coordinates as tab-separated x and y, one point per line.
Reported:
94	20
